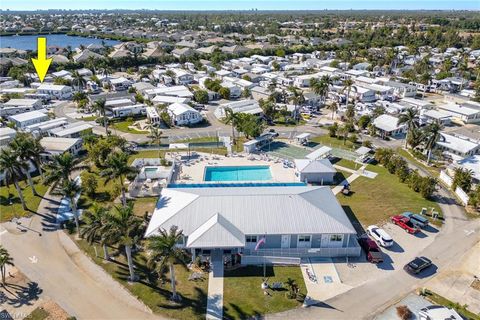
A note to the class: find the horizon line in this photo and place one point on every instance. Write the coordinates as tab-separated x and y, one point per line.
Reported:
220	10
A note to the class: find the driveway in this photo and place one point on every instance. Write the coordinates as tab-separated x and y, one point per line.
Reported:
406	247
48	257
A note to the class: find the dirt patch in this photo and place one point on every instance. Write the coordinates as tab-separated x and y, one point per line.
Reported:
55	311
476	284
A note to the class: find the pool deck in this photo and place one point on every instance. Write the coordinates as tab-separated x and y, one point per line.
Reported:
193	171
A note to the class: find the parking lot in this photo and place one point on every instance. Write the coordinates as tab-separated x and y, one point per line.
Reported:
406	247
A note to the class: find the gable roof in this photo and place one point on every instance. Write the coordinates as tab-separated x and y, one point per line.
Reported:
252	210
216	230
314	166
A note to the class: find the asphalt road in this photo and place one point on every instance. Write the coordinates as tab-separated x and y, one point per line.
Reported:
63	272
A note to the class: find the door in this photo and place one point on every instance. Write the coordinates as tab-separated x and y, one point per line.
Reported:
285	241
325	240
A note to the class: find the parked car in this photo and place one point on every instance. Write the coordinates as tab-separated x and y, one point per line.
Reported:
416	219
372	250
404	223
417	265
380	236
438	313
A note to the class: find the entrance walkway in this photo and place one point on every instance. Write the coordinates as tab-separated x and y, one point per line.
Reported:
215	287
322	280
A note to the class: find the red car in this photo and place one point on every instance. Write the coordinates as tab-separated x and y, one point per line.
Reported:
404	223
373	252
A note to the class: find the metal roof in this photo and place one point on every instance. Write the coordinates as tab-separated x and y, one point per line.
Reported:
252	210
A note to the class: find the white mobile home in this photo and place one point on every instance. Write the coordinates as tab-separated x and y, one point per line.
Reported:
129	111
153	116
16	106
183	114
54	145
59	92
23	120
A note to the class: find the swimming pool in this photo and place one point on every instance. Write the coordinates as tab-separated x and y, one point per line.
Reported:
230	185
237	173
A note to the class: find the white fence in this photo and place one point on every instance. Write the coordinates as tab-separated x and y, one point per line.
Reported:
445	178
462	195
270	260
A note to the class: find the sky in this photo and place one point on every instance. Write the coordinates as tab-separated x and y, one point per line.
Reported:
243	4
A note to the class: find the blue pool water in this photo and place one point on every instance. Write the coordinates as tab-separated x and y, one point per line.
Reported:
244	184
240	173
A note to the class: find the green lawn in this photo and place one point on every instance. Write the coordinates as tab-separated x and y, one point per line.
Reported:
143	205
326	140
373	201
244	298
124	127
348	164
156	296
8	211
462	310
201	139
90	118
38	314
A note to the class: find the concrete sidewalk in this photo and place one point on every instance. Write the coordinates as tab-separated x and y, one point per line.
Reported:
328	283
215	287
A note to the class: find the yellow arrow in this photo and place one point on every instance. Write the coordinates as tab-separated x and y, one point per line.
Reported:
41	63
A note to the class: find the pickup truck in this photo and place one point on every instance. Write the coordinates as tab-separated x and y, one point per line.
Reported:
416	219
404	223
372	250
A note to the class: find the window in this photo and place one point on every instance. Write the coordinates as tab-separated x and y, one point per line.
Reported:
251	239
303	238
336	237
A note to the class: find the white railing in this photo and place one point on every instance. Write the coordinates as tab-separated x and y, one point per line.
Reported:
270	260
306	252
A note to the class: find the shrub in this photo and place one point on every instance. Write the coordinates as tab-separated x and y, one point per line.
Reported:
353	138
89	183
404	312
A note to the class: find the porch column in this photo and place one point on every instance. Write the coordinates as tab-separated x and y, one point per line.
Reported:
194	254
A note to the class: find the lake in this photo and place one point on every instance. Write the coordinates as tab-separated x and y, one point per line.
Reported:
61	40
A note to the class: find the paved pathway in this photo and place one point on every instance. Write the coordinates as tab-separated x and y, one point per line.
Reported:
63	272
325	283
215	287
354	175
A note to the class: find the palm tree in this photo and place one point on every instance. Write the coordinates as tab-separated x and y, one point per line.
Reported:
99	106
164	251
334	108
425	80
320	88
348	85
124	228
231	118
432	133
22	146
118	168
79	80
95	219
5	259
297	98
156	137
60	168
70	190
410	118
13	168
